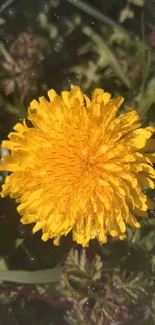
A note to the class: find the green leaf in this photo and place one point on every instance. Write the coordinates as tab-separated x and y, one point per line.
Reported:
139	3
103	49
83	260
97	266
3	265
76	262
19	242
41	276
2	21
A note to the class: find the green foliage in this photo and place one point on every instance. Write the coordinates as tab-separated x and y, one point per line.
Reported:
100	297
139	3
80	273
144	237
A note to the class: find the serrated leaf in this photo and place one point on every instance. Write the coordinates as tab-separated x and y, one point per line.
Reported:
83	260
72	258
75	256
76	262
97	266
82	281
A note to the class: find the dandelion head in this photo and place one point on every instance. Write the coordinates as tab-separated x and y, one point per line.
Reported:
80	167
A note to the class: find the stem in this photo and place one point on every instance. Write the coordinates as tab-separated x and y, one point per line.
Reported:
65	304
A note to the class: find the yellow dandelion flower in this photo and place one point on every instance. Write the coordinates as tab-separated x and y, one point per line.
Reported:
80	167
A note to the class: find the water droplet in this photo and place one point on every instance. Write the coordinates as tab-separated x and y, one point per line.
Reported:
32	260
33	74
11	12
58	44
45	6
9	39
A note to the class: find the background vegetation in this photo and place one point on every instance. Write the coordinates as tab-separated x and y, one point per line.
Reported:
53	44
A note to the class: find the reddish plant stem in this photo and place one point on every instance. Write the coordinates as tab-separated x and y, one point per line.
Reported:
57	303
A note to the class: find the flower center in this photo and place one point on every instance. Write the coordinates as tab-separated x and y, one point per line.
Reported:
85	159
